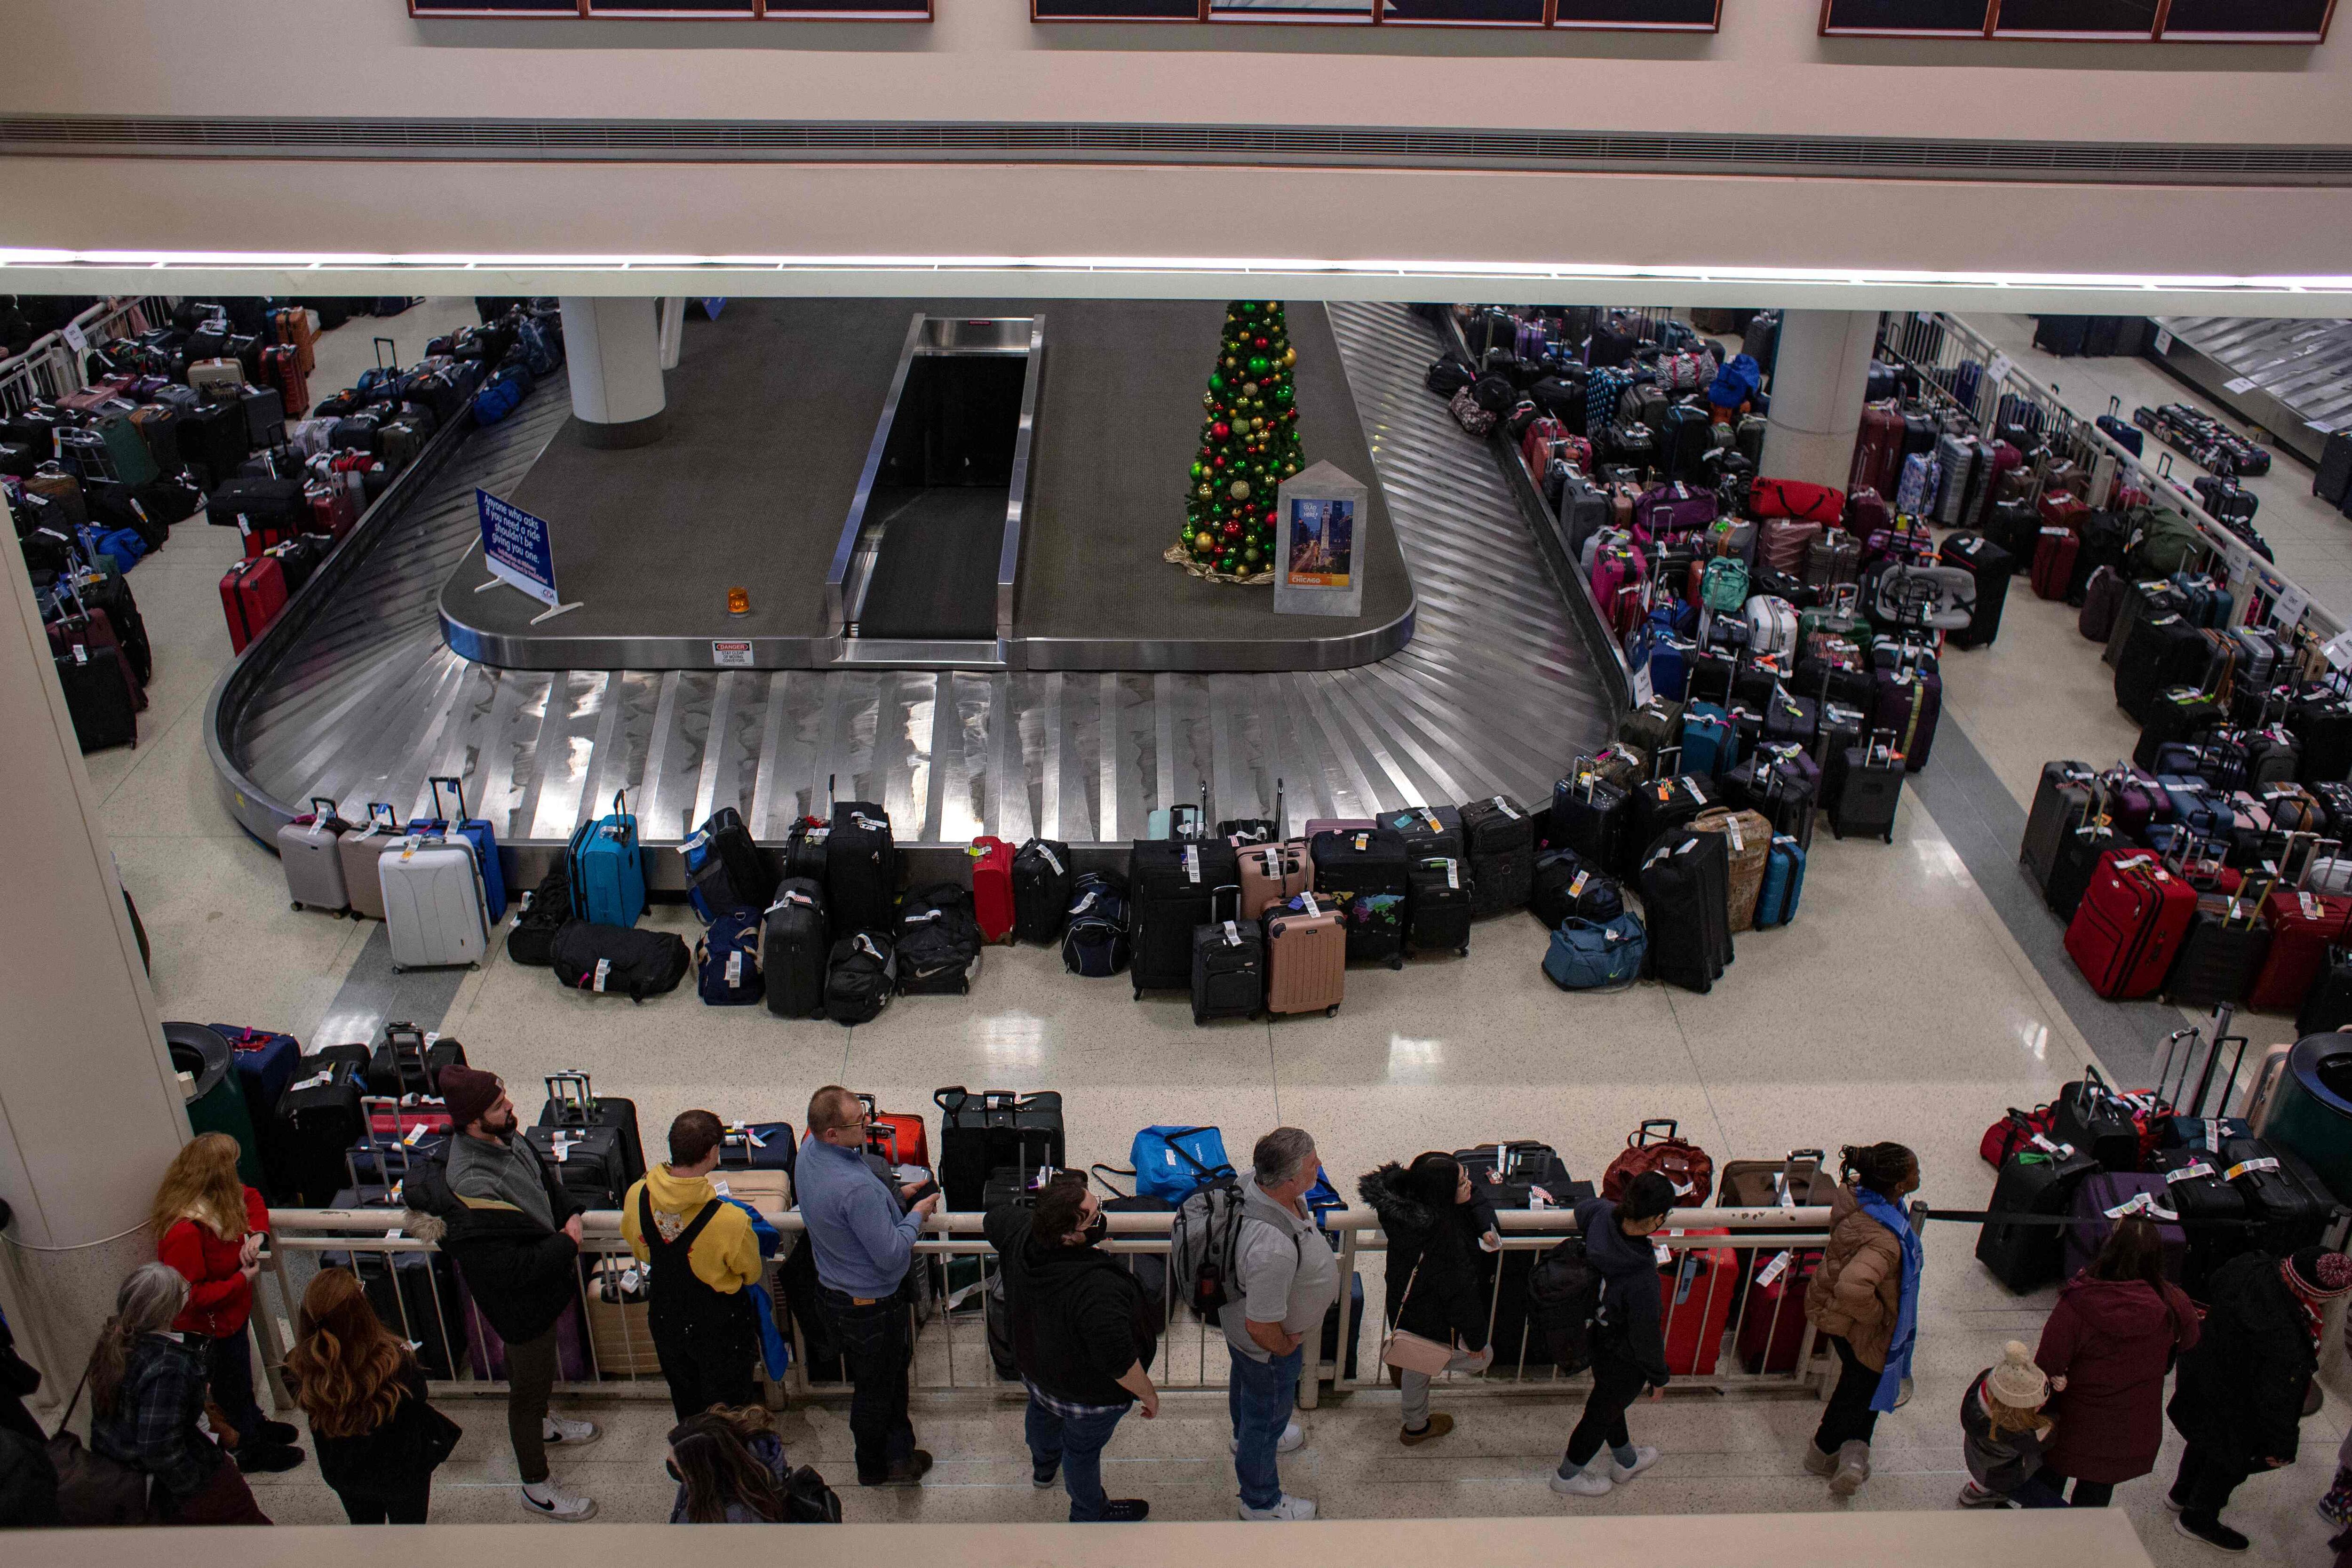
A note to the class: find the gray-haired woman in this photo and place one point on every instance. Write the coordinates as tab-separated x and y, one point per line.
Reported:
147	1395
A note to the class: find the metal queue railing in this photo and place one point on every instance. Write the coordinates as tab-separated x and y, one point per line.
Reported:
51	367
1959	369
1732	1281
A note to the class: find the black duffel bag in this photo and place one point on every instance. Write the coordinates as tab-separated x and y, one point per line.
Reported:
546	910
617	960
860	977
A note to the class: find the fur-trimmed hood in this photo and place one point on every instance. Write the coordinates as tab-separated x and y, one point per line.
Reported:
1384	1190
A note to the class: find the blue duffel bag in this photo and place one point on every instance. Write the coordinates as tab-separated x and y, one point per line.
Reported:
1589	957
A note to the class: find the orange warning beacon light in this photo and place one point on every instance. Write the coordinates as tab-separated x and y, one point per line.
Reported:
739	600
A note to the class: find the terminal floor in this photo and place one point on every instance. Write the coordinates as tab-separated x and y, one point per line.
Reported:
1915	996
2312	540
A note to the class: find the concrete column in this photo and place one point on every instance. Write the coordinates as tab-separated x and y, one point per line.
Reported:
613	351
1818	386
90	1111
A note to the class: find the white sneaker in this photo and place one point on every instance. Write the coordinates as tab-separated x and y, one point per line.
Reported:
1292	1507
1584	1483
568	1433
1644	1458
551	1501
1294	1437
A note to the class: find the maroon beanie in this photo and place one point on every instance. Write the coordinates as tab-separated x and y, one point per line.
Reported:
469	1092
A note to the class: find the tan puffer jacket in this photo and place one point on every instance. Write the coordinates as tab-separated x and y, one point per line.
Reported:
1857	1292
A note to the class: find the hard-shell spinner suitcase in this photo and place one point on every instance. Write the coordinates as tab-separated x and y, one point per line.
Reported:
359	851
1305	957
475	831
1271	873
1438	906
571	1101
312	854
434	911
991	887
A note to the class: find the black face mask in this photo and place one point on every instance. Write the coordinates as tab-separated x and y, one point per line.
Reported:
1095	1233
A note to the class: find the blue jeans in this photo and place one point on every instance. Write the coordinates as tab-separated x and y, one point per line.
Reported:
1259	1395
1076	1442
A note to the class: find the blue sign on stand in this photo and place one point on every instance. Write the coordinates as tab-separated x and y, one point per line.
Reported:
516	549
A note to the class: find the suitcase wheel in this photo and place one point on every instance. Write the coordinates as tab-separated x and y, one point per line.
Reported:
1332	1011
1463	951
295	905
1396	963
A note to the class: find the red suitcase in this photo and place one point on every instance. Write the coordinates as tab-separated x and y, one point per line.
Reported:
331	511
991	887
896	1136
281	367
1773	1329
252	593
2130	925
1877	449
2304	925
2053	562
2064	509
1697	1291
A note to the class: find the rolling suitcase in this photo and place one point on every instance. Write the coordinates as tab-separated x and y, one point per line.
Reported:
405	1064
2106	1196
2304	925
795	941
1990	565
1865	785
475	831
1748	848
2040	1179
993	1130
572	1102
1500	837
1428	830
1228	963
993	903
1366	875
1438	905
1305	957
2282	1192
2129	926
1588	815
319	1119
1170	887
1041	890
359	851
861	867
2062	803
2332	483
608	870
434	911
1685	894
1270	874
414	1294
310	850
2223	952
252	592
1909	702
1784	883
724	869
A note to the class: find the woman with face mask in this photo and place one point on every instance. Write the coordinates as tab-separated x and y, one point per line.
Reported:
1436	1291
1083	1334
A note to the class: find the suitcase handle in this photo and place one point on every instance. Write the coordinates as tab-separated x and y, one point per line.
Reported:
381	364
456	792
1640	1136
329	802
383	810
568	1092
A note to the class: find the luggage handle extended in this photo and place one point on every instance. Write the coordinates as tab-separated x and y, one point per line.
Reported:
1640	1137
456	792
381	1150
381	361
406	1038
568	1094
383	810
320	818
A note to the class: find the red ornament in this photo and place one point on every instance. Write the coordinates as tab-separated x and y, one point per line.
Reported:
1220	429
1233	531
1217	461
1257	342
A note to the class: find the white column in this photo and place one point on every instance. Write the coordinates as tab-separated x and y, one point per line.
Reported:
90	1111
1818	385
612	351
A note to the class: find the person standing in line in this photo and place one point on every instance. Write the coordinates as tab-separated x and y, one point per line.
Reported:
2107	1347
1865	1296
704	1258
146	1398
515	1233
1285	1277
731	1469
210	1226
2004	1433
2238	1398
1433	1220
862	1237
379	1438
1629	1343
1083	1336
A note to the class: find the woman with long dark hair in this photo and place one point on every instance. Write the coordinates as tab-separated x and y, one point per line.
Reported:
379	1441
1432	1219
1866	1298
2107	1347
210	1226
731	1468
146	1397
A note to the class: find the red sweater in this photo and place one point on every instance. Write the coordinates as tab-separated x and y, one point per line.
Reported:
221	1297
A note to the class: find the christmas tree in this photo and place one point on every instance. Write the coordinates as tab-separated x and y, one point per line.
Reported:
1249	445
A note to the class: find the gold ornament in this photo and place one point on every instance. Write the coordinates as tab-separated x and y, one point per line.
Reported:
1241	489
1204	492
1249	389
1289	358
1258	424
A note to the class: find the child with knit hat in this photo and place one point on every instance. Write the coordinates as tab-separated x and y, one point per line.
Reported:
2000	1417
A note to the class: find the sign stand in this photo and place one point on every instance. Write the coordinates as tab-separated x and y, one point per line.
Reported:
516	549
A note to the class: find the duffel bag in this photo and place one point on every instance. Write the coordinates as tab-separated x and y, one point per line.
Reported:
1586	956
1794	498
1685	1166
619	960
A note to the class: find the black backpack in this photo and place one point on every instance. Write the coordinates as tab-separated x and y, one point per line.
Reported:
1041	890
1446	375
938	941
860	977
619	960
1094	943
795	945
1563	1298
545	908
725	869
808	1500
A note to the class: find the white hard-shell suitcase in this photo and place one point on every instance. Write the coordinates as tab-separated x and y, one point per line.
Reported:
362	889
313	854
434	911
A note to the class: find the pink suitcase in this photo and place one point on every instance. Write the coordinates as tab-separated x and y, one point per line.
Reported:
1306	958
1272	873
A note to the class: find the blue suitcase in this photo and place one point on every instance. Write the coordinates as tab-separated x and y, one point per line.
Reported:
484	842
2126	435
1784	881
608	867
757	1146
1708	741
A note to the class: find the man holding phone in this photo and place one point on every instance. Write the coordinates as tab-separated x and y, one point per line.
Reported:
862	1234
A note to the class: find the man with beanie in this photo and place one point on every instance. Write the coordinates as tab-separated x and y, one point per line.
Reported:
704	1257
515	1235
1629	1344
1083	1334
2239	1397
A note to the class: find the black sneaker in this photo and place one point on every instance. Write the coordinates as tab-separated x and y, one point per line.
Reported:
2217	1535
1126	1511
1043	1477
267	1458
278	1433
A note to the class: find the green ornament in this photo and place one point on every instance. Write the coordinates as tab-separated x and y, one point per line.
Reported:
1283	395
1258	365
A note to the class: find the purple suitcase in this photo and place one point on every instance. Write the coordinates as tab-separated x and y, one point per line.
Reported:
1908	702
2107	1190
488	1351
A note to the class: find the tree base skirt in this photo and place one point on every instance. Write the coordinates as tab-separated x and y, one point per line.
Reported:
1178	556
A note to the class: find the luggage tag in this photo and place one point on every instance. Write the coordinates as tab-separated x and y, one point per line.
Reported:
1192	862
1771	1271
2250	1167
1505	807
2188	1173
2143	1204
321	1079
603	972
80	653
1053	859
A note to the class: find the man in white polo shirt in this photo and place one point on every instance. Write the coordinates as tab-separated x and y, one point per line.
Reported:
1285	1278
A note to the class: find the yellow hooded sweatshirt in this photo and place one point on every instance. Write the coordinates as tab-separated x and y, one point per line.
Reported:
725	1256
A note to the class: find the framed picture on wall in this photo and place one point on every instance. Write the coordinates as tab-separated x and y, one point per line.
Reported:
1462	13
2249	21
1641	16
1338	13
2117	19
674	8
1906	18
494	7
1114	10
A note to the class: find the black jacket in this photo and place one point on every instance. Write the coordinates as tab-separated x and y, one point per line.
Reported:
2241	1389
390	1460
1079	1317
1629	1327
521	1274
1448	1302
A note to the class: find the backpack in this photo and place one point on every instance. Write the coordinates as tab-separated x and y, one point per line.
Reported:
542	349
541	915
1563	1299
808	1500
724	869
1448	376
938	941
1723	587
619	960
1202	1240
796	940
727	960
1093	943
860	977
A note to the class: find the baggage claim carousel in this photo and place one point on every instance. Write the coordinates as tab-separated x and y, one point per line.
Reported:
1004	654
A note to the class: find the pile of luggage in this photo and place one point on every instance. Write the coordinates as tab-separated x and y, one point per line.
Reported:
2204	440
436	882
2214	1186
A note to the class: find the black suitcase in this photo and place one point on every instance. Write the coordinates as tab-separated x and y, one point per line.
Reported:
1989	564
804	850
1368	873
319	1118
404	1065
1428	830
861	869
1686	883
571	1102
1500	837
1865	785
2281	1191
2070	875
1504	1176
1041	890
2327	1005
1438	905
993	1130
588	1162
2219	957
2180	713
2032	1181
2060	335
2088	1115
98	698
2062	803
2333	482
2210	1211
1228	963
1171	884
414	1294
795	942
1588	815
1657	807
